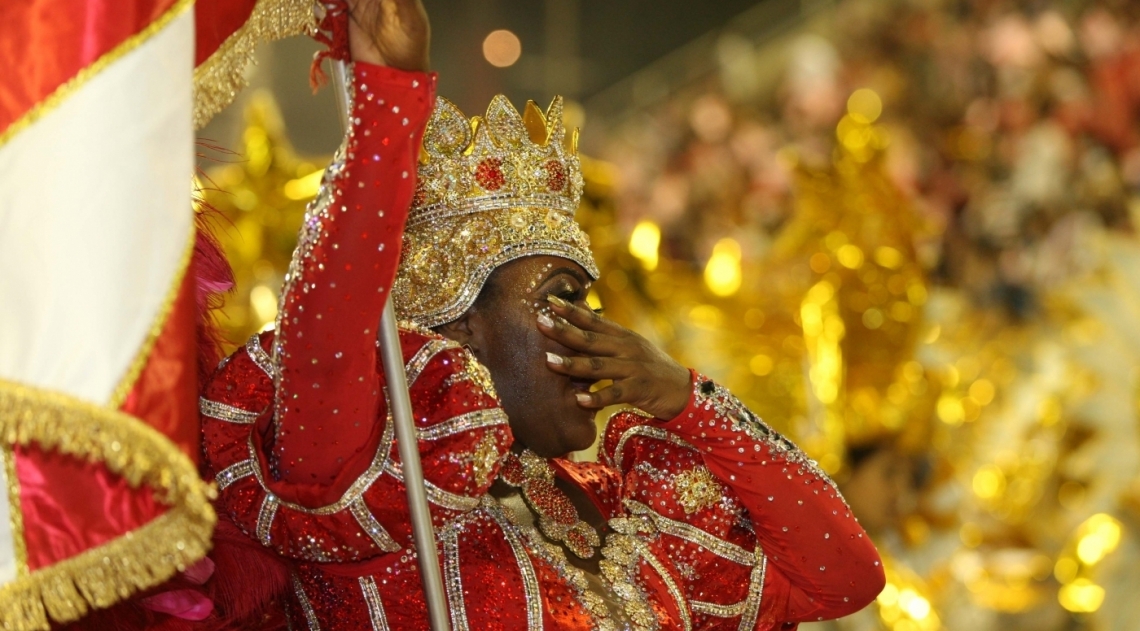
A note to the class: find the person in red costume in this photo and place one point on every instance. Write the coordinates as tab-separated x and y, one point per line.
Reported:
698	517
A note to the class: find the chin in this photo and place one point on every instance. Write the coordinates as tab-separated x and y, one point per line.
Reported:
583	434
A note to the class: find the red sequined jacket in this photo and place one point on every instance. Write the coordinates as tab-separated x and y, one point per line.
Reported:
716	522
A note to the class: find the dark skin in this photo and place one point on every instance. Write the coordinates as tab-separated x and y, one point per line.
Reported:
543	368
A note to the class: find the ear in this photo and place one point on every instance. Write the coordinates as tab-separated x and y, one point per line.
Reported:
459	330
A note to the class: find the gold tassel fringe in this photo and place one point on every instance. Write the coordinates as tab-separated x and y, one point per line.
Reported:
218	79
143	558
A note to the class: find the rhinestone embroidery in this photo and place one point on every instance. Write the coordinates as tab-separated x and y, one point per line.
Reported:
260	358
453	582
306	606
265	519
375	605
691	533
479	419
755	593
372	527
233	473
228	413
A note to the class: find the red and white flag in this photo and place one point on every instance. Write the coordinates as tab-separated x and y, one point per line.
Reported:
98	380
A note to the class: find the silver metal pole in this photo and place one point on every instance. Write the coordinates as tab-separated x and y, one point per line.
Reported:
401	402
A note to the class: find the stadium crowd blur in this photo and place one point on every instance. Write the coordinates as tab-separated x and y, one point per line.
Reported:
939	198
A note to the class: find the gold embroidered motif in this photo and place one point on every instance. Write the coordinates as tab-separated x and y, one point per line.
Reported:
697	489
719	611
485	458
619	566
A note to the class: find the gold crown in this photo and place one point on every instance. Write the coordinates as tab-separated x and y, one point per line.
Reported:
502	160
489	190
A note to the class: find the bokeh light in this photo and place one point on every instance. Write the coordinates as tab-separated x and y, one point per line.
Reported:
722	273
502	48
643	244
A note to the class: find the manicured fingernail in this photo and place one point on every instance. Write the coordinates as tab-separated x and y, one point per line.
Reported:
555	300
584	399
544	320
555	359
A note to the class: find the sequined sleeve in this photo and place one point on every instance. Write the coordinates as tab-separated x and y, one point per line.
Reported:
328	390
755	528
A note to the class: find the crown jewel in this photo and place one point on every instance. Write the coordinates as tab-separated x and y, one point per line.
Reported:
497	161
489	190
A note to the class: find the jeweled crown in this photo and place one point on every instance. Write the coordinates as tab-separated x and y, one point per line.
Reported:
489	190
502	160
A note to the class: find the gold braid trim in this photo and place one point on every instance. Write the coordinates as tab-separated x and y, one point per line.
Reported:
15	512
218	79
127	383
72	85
138	560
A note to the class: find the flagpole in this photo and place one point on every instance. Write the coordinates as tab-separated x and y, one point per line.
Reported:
398	397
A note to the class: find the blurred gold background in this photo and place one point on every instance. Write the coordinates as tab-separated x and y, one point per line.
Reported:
903	233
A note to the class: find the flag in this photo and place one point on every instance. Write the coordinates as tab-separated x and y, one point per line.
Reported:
99	436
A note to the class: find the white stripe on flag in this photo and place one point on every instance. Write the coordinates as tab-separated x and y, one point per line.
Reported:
95	218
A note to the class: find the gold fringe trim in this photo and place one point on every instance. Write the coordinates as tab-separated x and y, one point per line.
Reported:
218	79
121	391
103	576
15	512
72	85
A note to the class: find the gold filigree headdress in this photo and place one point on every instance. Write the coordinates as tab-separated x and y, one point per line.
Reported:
490	190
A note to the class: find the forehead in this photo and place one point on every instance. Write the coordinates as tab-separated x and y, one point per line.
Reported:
540	268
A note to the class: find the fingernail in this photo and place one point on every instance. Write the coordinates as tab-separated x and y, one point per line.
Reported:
554	359
545	321
584	399
555	300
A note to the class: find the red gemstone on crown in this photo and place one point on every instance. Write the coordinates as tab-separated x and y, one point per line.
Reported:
555	175
489	174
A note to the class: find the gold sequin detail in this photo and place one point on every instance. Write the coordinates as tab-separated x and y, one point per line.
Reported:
485	457
697	489
219	79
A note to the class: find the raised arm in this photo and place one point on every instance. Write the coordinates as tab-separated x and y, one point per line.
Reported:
328	390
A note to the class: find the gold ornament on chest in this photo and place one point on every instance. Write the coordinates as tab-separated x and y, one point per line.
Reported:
557	517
